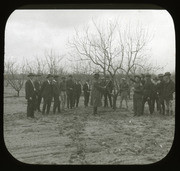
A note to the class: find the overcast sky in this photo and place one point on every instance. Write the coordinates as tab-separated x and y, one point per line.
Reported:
29	33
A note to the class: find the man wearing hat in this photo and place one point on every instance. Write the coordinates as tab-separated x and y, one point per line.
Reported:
155	97
56	94
63	96
124	89
148	93
37	84
169	89
102	82
108	91
77	91
47	94
137	96
96	93
70	92
86	89
160	89
143	79
30	95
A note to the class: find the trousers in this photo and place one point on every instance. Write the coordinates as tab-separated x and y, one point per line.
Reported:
56	104
46	105
30	108
137	104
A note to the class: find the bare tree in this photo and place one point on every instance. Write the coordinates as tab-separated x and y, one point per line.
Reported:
53	62
15	75
39	65
112	49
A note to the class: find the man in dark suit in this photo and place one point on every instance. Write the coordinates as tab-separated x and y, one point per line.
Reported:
86	90
30	95
155	97
124	88
138	95
69	91
63	96
108	91
56	93
96	94
37	84
148	94
160	88
47	93
77	92
169	89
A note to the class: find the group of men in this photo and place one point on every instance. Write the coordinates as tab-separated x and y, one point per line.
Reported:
158	90
52	89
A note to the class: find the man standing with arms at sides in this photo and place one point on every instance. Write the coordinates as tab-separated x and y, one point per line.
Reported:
124	88
62	87
77	92
37	84
86	90
30	92
47	93
108	91
137	96
69	91
56	93
96	93
169	89
147	93
142	79
155	97
160	88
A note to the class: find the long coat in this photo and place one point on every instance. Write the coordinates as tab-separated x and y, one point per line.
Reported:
56	90
37	85
47	90
69	86
169	89
148	89
77	89
96	94
29	90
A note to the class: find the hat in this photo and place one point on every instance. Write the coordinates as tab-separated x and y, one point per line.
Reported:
137	76
96	75
167	74
148	75
30	74
49	75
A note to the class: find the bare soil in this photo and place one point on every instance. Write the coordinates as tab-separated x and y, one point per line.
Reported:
76	136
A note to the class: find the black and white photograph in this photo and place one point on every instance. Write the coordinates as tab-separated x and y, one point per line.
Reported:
89	86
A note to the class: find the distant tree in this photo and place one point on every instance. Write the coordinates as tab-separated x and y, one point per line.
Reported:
14	75
52	61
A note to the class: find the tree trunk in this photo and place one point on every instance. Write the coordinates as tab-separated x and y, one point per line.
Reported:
17	93
114	101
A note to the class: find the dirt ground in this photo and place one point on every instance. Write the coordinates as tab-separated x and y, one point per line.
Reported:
78	137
